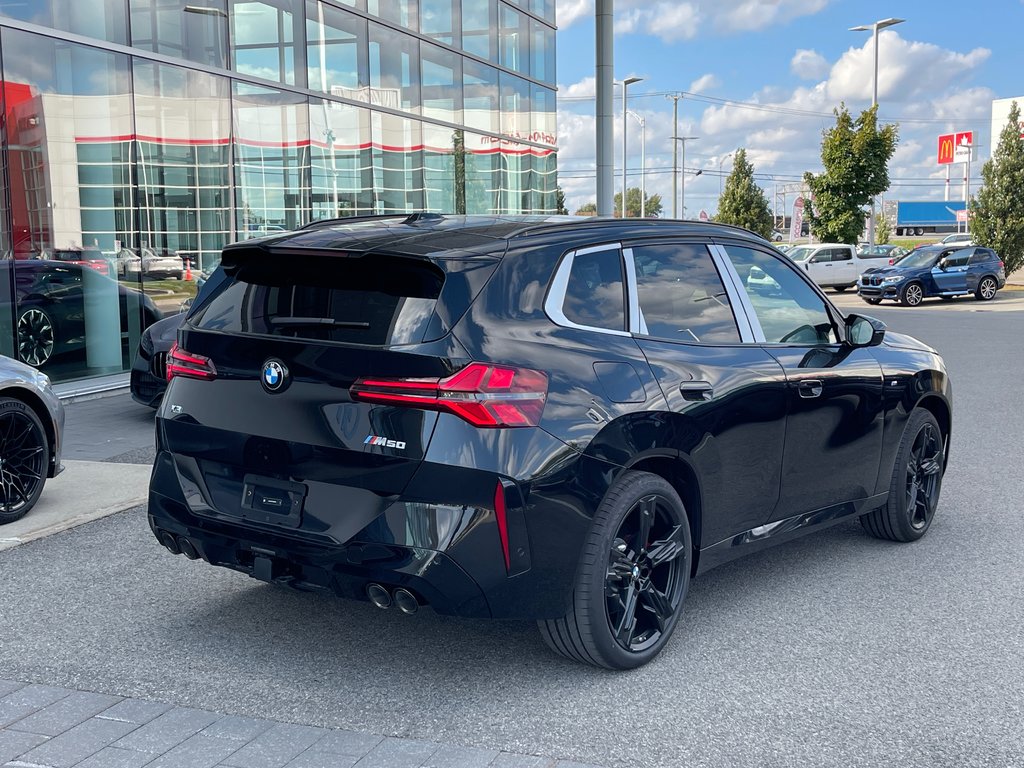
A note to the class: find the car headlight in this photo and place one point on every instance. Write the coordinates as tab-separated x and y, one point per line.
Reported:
892	280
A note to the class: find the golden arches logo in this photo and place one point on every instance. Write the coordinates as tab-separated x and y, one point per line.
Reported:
946	148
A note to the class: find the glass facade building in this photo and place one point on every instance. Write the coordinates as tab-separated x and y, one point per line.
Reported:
141	136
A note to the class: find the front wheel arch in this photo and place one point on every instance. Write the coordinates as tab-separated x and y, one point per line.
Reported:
681	476
939	408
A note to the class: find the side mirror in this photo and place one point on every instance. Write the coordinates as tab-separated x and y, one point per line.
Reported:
862	331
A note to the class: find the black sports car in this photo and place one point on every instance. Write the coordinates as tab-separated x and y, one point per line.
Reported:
524	417
52	299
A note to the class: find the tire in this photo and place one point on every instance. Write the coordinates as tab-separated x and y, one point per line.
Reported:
871	300
840	288
912	294
915	484
36	337
987	289
637	589
24	459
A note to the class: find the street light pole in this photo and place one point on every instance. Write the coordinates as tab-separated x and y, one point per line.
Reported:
604	49
643	164
874	29
675	154
625	84
682	187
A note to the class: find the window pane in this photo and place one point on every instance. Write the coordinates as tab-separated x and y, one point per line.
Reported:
444	162
594	295
397	164
337	62
681	296
394	69
514	34
479	26
184	126
263	38
442	83
481	104
102	19
789	310
401	12
544	120
543	8
342	170
271	129
182	28
515	106
439	19
542	52
483	174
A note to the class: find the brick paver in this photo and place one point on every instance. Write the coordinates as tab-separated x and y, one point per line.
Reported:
42	726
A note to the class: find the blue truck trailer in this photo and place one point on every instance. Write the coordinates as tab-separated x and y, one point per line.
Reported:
923	217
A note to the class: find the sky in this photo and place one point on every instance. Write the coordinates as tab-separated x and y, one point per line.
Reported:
766	74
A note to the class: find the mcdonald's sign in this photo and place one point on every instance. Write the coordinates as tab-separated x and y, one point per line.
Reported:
947	149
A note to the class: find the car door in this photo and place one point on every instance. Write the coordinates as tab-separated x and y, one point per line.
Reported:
844	267
726	396
950	271
834	391
819	266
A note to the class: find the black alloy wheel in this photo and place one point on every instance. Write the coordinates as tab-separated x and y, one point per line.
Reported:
633	577
986	289
35	337
24	459
915	484
912	294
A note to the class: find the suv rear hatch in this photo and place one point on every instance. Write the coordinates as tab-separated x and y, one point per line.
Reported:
259	415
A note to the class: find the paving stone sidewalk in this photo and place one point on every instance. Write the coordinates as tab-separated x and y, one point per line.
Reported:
42	726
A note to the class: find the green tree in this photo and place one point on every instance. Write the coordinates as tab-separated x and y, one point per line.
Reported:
587	209
652	209
560	208
743	203
882	229
855	154
459	145
997	213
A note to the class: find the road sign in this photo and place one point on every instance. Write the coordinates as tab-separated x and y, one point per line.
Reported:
962	214
964	141
946	149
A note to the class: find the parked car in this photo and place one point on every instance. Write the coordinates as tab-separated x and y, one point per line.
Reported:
777	236
51	308
887	251
830	265
149	371
526	417
149	263
83	256
31	426
783	247
946	271
960	238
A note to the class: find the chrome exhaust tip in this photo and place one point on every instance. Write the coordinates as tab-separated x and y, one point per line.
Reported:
188	549
406	601
378	595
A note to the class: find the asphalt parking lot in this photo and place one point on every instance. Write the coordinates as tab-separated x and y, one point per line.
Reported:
836	649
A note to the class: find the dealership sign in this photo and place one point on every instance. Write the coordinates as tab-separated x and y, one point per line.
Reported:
955	147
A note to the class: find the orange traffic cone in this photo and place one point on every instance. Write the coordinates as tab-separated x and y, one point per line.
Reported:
188	270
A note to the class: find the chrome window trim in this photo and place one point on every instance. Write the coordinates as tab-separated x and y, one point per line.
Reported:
750	327
560	282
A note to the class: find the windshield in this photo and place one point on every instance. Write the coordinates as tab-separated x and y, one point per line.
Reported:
920	258
800	254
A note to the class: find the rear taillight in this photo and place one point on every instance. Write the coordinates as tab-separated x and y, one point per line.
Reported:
484	395
1001	265
182	363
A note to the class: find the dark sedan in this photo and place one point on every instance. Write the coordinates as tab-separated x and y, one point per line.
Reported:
52	300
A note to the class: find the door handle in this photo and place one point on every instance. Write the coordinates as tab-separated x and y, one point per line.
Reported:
697	390
809	388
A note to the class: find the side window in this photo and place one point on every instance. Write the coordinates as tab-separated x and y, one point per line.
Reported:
822	257
959	258
789	310
841	254
681	295
981	256
594	294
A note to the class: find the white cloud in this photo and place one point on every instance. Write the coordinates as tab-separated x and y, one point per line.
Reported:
673	20
704	83
585	88
928	89
809	65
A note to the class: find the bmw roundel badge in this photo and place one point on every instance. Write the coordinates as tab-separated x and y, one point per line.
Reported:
275	376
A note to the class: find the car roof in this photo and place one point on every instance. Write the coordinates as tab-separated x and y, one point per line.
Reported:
427	234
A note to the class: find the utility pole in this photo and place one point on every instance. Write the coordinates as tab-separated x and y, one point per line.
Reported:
605	95
675	154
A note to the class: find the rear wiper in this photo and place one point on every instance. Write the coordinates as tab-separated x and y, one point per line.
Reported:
325	322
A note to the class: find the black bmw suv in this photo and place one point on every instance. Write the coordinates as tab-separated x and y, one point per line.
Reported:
556	419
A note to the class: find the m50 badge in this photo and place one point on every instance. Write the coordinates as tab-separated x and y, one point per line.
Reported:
384	442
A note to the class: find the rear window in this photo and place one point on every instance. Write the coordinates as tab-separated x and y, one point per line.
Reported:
375	300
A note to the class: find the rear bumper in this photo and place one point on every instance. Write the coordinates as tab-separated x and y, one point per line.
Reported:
450	556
